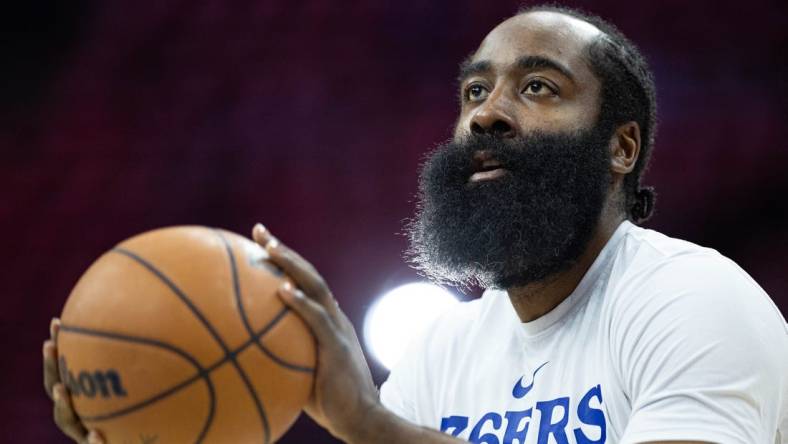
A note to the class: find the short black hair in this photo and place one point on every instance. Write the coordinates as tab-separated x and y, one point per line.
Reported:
628	94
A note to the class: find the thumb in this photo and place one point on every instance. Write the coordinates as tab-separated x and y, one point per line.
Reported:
94	437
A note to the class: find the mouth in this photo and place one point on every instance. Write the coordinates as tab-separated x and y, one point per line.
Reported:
485	167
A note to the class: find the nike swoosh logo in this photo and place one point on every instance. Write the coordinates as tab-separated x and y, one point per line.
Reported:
519	391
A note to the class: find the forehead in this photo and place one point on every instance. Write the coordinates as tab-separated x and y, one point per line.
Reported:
548	34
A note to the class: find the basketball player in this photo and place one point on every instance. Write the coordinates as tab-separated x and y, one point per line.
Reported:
592	330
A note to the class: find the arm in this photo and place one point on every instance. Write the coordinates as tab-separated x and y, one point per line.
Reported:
345	400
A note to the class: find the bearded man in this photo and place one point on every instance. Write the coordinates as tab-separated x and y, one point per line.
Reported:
592	329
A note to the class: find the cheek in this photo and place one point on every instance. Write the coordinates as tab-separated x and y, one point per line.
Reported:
545	119
461	127
556	118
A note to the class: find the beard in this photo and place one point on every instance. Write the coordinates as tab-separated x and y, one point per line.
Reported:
533	222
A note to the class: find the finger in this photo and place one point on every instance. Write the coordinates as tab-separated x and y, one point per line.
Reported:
54	329
313	314
268	241
95	437
303	274
299	269
51	375
261	235
65	418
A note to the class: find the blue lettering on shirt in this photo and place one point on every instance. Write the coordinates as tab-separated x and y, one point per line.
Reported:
512	427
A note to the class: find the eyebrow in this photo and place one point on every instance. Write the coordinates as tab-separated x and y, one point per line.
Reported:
469	68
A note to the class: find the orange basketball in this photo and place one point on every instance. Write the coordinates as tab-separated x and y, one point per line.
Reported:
177	336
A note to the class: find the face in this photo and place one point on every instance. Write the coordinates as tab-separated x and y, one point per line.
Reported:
517	193
530	74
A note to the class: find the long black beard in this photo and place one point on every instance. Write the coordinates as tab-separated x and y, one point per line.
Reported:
531	223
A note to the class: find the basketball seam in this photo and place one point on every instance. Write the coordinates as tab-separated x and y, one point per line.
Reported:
202	373
245	319
181	385
185	299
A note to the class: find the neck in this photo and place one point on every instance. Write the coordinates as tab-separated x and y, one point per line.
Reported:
539	298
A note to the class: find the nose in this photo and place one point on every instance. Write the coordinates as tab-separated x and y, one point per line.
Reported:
493	117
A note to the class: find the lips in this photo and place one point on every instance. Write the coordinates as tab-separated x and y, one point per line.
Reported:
485	167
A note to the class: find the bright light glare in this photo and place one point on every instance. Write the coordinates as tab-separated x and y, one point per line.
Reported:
401	314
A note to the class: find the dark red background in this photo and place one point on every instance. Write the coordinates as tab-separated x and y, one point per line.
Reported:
312	117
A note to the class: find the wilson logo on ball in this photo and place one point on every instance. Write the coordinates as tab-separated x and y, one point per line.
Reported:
99	382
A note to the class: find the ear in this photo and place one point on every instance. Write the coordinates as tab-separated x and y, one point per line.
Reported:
625	148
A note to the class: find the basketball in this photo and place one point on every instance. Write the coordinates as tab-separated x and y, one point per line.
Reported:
177	335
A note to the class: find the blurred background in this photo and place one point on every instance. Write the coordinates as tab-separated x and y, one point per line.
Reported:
312	117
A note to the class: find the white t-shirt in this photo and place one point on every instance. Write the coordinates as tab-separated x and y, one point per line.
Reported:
661	340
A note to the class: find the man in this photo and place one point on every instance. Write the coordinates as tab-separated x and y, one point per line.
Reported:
592	330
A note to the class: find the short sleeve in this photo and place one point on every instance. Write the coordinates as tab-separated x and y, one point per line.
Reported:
702	353
397	392
406	392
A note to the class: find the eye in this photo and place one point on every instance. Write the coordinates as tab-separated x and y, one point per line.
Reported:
539	88
476	92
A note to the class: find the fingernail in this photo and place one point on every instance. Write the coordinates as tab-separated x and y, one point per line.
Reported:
271	244
93	437
260	228
289	291
56	395
45	348
262	232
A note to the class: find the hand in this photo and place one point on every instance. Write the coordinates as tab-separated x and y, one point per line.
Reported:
344	392
65	418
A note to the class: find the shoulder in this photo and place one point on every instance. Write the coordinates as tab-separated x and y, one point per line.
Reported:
654	269
659	279
464	322
689	329
674	301
428	361
460	332
643	252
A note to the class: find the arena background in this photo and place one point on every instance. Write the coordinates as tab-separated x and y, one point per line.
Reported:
312	116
